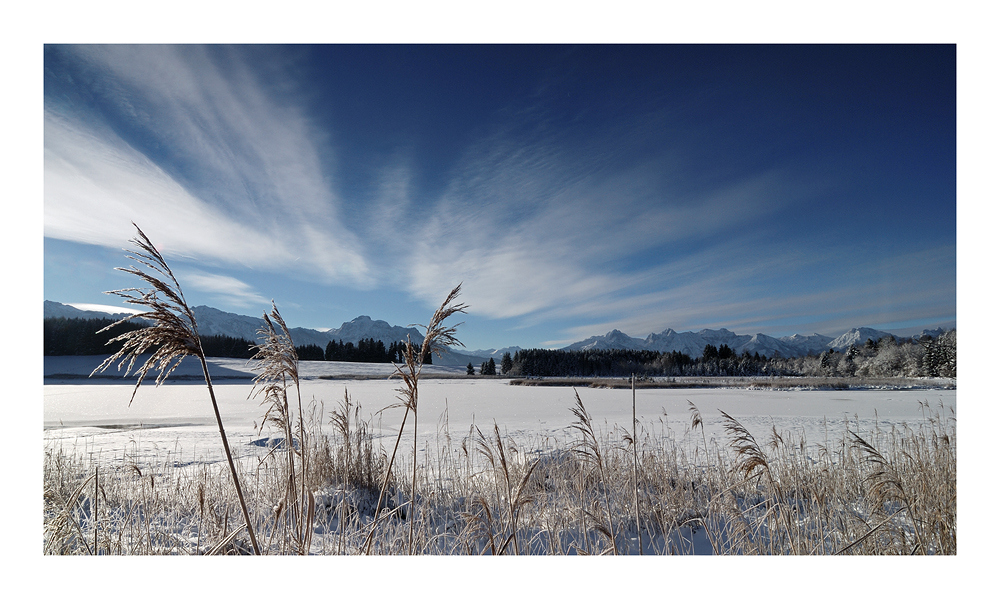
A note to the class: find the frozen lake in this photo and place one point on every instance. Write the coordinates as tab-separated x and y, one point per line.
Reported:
175	420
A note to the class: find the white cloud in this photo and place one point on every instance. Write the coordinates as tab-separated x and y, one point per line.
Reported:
719	293
533	234
245	184
228	289
529	225
237	175
96	185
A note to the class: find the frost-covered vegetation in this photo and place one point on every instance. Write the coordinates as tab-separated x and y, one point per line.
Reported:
323	486
888	357
857	490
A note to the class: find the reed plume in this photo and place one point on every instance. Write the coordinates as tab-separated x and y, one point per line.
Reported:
278	363
173	333
885	484
749	459
516	498
437	338
589	449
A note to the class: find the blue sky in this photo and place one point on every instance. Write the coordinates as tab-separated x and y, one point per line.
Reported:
571	189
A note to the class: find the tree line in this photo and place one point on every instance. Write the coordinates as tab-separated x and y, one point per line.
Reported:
84	337
888	357
367	350
80	337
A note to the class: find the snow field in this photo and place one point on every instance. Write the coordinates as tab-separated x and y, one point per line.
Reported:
463	505
177	412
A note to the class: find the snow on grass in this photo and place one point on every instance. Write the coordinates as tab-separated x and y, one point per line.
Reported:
168	437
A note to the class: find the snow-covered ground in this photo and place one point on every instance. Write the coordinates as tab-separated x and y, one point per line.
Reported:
74	367
94	415
174	423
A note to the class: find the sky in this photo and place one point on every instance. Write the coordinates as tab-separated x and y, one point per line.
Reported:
571	190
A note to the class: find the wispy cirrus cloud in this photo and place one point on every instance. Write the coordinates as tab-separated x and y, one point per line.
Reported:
581	214
96	185
536	231
215	165
545	232
229	290
715	294
536	238
200	152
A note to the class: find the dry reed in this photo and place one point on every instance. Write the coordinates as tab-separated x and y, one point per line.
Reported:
534	492
437	338
173	335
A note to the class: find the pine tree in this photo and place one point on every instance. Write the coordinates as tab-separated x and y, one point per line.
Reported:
827	360
470	370
933	358
506	363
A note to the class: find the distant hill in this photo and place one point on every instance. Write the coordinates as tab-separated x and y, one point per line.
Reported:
57	310
212	321
496	354
693	344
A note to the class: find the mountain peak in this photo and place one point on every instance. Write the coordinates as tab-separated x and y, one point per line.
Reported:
693	344
58	310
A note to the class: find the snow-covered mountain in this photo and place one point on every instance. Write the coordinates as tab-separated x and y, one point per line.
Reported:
496	354
807	344
932	333
857	337
693	344
57	310
216	322
363	327
212	321
613	340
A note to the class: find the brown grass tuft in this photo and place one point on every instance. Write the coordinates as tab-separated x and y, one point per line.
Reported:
174	334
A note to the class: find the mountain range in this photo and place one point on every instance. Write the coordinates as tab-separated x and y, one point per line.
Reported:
693	344
216	322
212	321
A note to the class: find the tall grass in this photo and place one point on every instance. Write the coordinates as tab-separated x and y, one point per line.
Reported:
497	494
172	336
437	338
589	449
335	491
514	495
278	364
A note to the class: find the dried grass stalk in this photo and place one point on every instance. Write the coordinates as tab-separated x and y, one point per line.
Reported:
437	338
749	459
173	333
885	483
589	450
278	363
516	497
